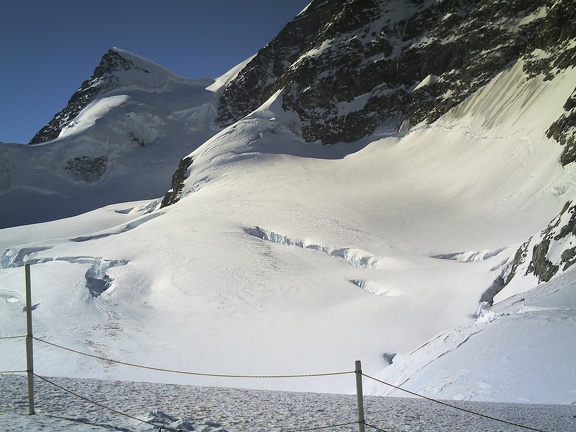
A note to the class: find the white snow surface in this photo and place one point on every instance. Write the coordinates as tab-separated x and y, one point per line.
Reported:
525	336
286	257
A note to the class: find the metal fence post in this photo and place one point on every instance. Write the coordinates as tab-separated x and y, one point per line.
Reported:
29	349
360	396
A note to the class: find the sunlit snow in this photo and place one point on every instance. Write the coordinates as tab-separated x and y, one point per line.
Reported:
286	257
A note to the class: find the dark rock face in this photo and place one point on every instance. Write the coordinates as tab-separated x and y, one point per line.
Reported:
181	174
102	79
551	252
88	169
563	130
268	69
349	68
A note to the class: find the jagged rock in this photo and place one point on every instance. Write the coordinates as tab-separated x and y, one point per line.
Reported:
563	130
487	297
181	174
349	68
102	79
550	252
266	72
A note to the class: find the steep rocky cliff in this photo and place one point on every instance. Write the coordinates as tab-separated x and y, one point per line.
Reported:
349	68
550	252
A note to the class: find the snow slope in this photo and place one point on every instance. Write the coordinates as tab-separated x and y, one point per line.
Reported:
285	257
520	350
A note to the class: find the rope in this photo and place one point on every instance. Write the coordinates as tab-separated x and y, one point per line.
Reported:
72	420
101	405
260	377
375	427
192	373
321	427
12	337
454	406
12	372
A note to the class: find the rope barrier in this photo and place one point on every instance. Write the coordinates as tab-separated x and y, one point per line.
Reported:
213	375
101	405
260	377
72	420
270	376
454	406
375	427
321	427
192	373
162	427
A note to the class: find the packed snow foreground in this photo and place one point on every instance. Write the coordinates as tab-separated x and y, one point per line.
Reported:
281	257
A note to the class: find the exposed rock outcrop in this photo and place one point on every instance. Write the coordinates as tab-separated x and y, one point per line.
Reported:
549	253
563	130
351	67
181	174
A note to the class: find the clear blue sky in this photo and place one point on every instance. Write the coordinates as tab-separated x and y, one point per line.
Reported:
49	47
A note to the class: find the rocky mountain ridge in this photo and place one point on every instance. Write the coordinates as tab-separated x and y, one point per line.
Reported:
546	254
351	68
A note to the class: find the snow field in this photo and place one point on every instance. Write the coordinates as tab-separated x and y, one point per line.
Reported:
199	292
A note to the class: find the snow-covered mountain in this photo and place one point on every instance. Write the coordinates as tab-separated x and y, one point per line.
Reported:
351	68
377	183
119	138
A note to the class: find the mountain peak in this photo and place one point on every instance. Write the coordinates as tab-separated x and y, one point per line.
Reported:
117	68
351	68
132	70
114	61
